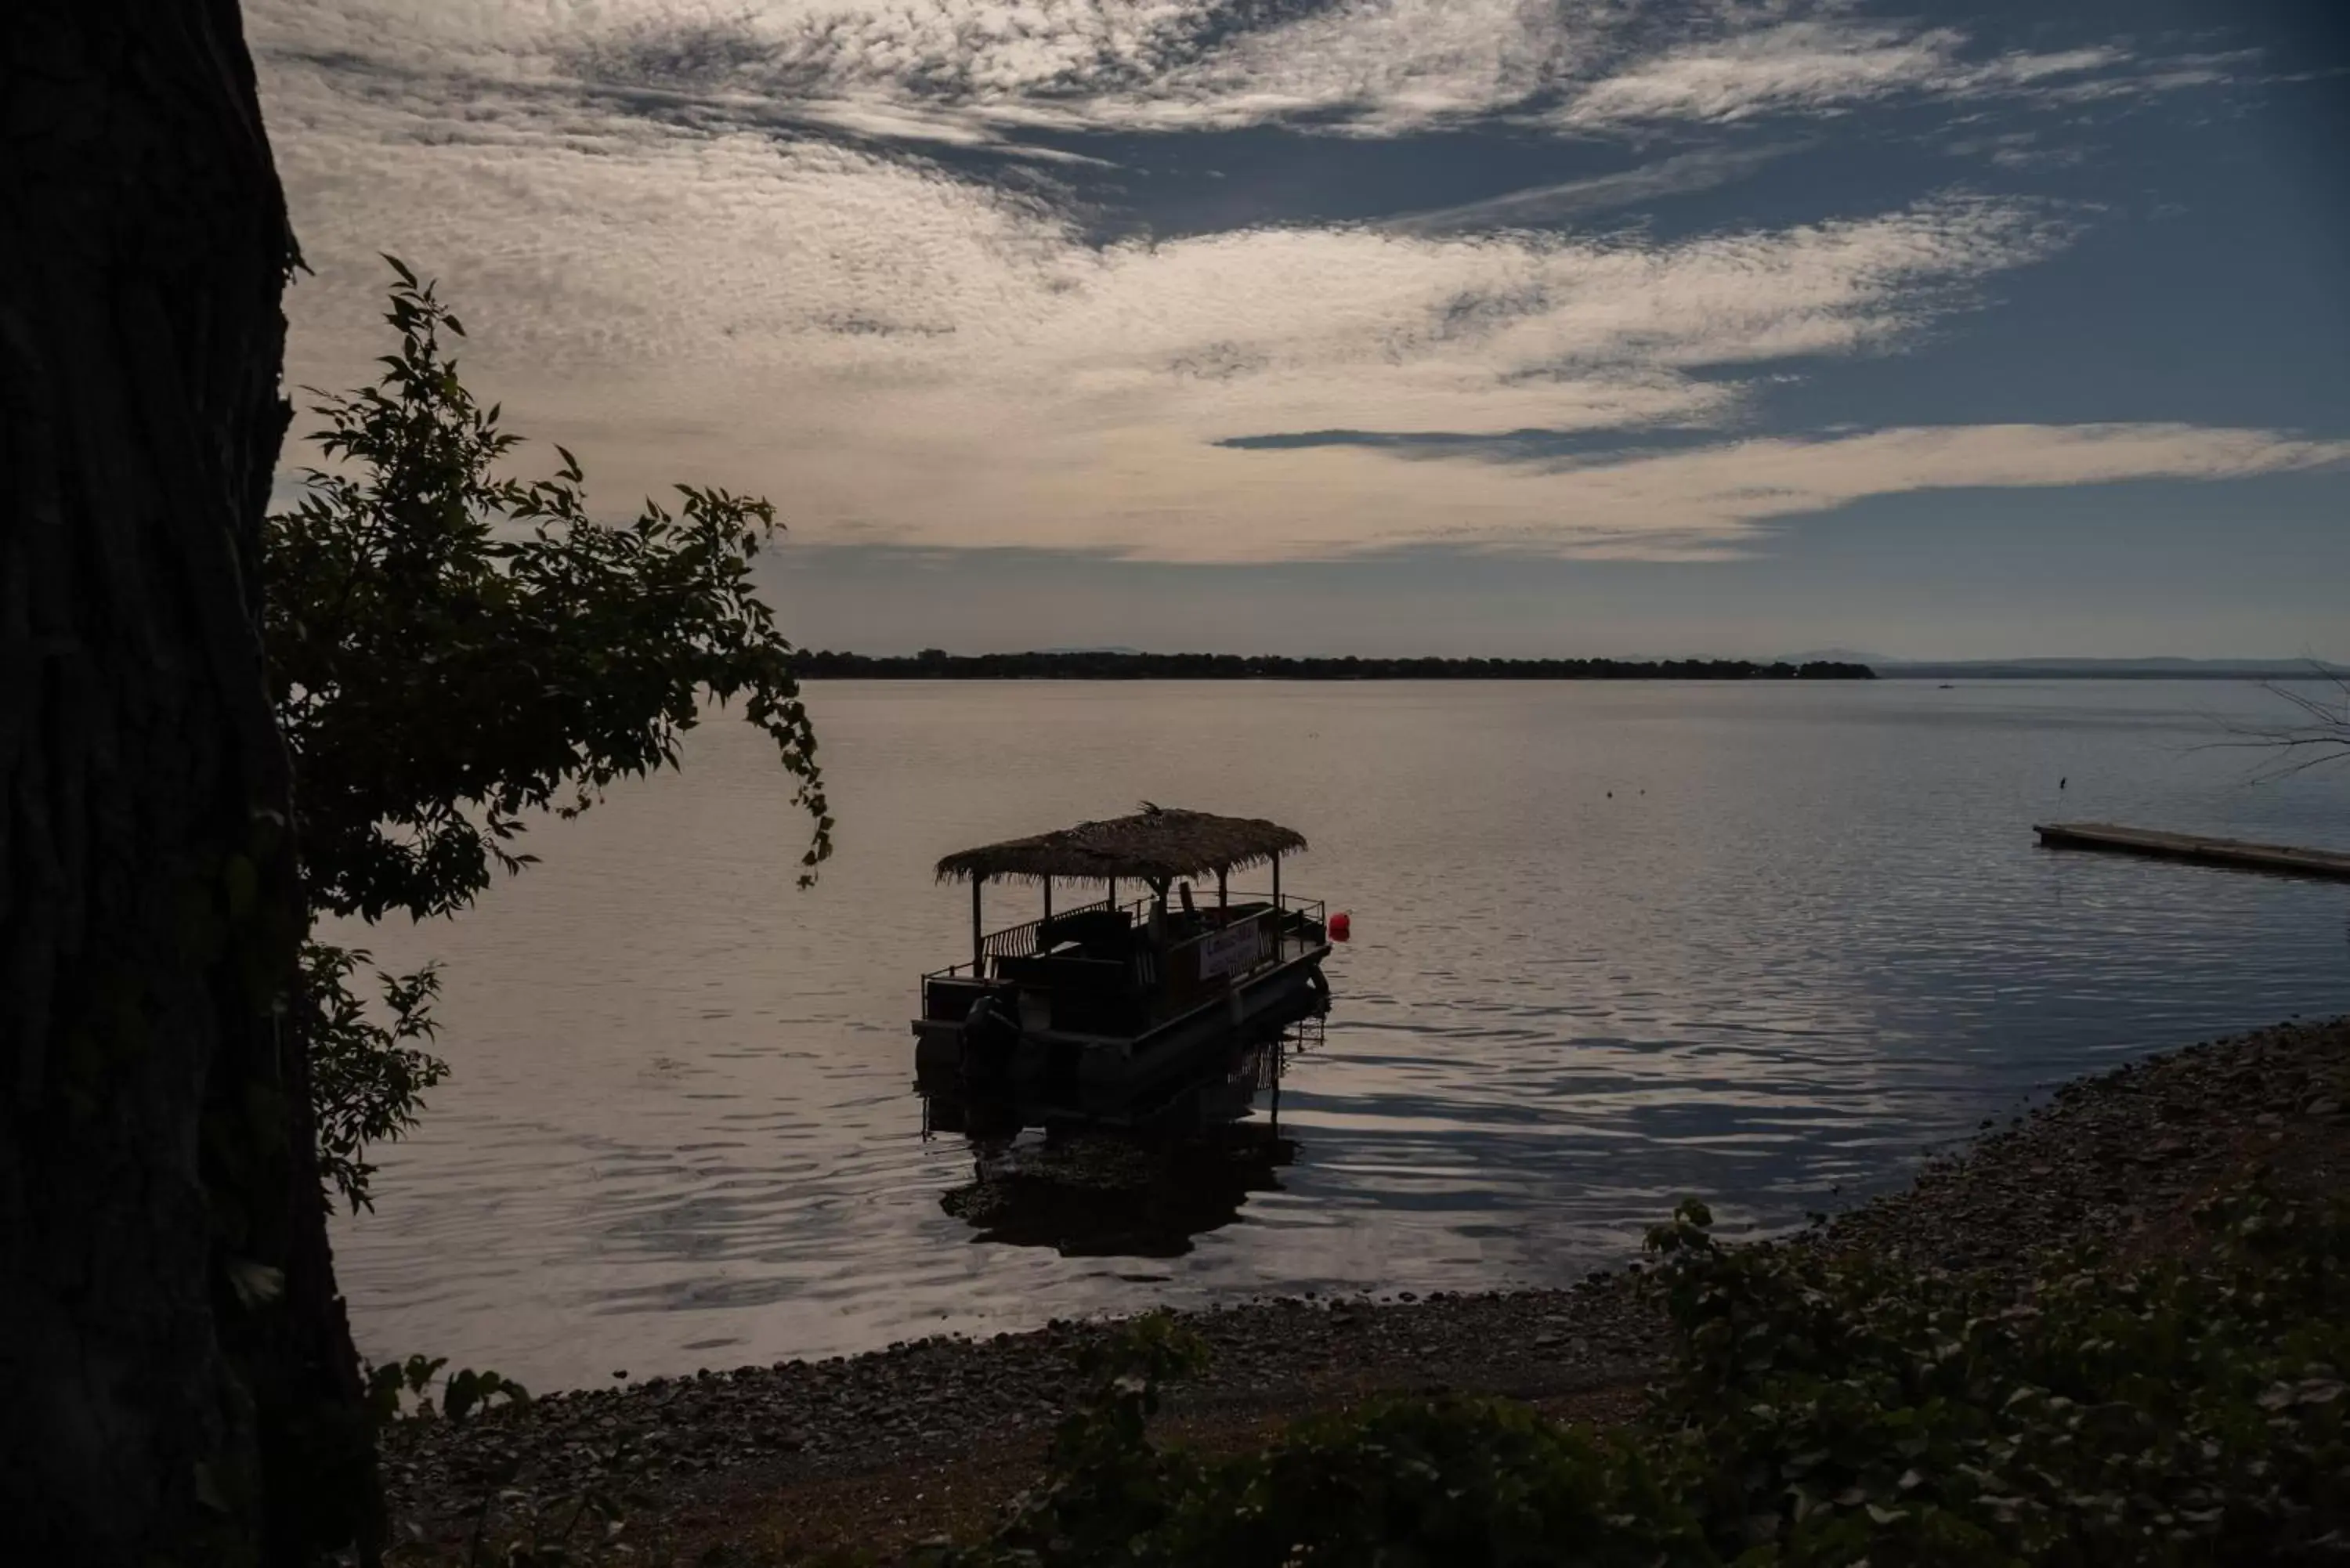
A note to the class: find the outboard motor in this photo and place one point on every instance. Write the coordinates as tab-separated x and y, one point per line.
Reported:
991	1036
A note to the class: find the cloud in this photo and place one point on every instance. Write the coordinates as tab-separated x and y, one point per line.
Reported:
686	252
1829	65
1724	490
1327	503
616	258
1545	206
956	71
898	356
991	72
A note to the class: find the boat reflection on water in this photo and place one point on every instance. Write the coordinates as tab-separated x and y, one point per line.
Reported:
1090	1173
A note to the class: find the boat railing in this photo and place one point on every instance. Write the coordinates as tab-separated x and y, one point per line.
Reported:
1020	941
1292	915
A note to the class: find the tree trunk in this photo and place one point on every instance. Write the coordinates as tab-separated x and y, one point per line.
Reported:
177	1382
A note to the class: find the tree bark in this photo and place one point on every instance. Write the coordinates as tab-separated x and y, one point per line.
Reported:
177	1381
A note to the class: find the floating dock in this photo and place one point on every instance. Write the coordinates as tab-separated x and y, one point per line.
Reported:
2232	852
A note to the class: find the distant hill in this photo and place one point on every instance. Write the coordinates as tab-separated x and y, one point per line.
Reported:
935	664
2112	669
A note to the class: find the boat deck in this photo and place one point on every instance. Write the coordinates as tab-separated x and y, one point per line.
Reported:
1293	953
1094	986
2231	852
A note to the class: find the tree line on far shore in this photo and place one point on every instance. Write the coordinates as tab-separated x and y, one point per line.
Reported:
934	664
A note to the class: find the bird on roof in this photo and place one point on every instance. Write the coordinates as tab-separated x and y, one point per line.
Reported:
1150	808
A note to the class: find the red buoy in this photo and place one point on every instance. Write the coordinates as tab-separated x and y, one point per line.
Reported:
1341	926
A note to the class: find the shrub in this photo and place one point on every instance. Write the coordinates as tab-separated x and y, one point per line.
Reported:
454	651
1823	1407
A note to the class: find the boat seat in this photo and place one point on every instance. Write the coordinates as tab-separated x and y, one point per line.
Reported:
1102	933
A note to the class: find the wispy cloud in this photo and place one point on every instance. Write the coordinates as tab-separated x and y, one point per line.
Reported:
1831	65
1546	206
1714	501
974	72
958	71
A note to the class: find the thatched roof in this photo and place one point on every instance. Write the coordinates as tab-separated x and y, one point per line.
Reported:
1156	843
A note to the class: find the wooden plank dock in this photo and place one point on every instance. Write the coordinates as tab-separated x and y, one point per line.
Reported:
2233	852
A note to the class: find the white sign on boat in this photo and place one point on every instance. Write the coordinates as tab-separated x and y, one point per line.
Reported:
1231	951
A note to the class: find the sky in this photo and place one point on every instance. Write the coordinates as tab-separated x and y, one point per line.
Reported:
1465	327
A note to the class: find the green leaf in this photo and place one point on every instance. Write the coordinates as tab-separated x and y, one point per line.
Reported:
256	1284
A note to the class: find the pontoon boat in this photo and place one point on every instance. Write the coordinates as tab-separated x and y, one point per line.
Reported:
1109	992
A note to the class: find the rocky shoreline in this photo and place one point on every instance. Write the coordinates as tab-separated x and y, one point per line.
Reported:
924	1433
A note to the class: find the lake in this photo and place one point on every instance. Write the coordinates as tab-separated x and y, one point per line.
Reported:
1613	942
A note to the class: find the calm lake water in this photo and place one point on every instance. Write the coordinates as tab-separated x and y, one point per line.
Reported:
1613	943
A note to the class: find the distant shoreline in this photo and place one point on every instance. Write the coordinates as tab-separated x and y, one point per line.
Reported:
1129	664
2182	672
1122	666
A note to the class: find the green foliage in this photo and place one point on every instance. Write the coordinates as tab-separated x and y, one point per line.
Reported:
1823	1409
367	1078
1456	1482
450	648
547	1531
1108	1483
2193	1410
468	1390
392	1383
402	1391
552	1537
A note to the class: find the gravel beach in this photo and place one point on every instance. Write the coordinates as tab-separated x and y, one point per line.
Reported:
876	1451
